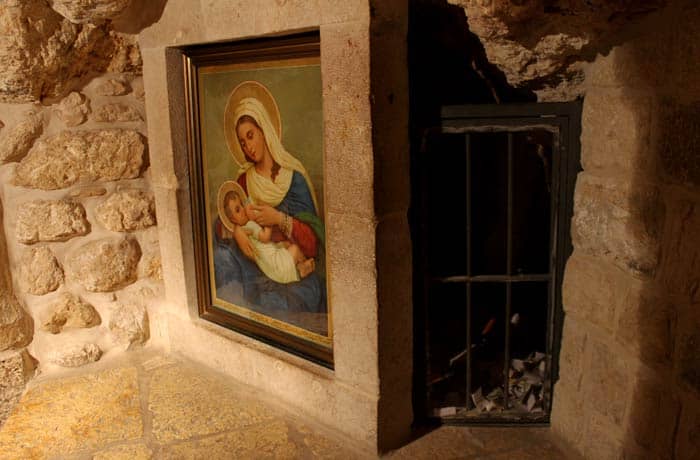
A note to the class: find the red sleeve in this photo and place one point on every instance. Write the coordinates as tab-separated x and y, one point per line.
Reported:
243	183
305	238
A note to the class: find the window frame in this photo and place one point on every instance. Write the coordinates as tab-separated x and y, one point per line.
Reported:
565	119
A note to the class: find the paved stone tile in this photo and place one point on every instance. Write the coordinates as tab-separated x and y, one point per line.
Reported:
268	440
187	403
74	414
317	446
125	452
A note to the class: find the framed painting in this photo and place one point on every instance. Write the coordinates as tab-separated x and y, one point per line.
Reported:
255	140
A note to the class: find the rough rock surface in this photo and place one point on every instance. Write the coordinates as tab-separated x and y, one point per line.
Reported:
113	87
70	311
125	54
95	11
45	55
39	271
73	109
16	368
16	327
72	157
127	210
76	355
129	325
105	265
151	267
111	113
612	219
538	44
43	220
139	90
15	144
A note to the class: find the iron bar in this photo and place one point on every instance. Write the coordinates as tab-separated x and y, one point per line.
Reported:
509	272
493	278
468	146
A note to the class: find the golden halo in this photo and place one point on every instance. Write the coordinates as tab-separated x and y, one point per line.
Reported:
226	187
262	94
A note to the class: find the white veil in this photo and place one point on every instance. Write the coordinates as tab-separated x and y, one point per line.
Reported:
278	190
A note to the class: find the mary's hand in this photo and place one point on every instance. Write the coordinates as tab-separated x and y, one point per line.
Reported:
244	243
266	215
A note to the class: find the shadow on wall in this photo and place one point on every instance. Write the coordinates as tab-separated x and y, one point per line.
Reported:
139	16
664	414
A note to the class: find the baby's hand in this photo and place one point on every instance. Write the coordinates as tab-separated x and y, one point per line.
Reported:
250	212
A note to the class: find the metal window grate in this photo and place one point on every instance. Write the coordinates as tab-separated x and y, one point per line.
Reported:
495	140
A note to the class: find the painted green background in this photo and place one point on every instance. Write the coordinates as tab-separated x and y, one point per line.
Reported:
297	91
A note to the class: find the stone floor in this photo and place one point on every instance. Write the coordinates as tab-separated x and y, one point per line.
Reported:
154	406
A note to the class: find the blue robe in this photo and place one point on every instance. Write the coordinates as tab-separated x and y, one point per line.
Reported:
239	280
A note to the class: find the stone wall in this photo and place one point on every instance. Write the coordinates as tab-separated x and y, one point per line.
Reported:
79	255
630	384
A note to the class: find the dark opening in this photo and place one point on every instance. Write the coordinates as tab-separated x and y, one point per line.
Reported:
491	205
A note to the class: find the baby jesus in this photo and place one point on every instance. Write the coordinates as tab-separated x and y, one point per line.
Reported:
282	262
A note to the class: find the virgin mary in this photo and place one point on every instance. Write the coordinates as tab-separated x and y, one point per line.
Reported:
282	197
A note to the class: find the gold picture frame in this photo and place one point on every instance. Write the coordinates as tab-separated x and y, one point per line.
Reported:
255	143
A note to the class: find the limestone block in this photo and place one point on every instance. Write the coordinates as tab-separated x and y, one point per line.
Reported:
688	439
72	157
39	271
608	383
73	109
353	295
349	167
76	355
70	311
89	10
278	15
688	343
679	270
615	132
573	353
16	143
113	87
594	290
105	265
44	220
652	418
151	267
647	325
129	325
618	219
173	27
127	210
220	15
607	445
687	52
16	327
16	368
566	414
111	113
679	143
344	11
